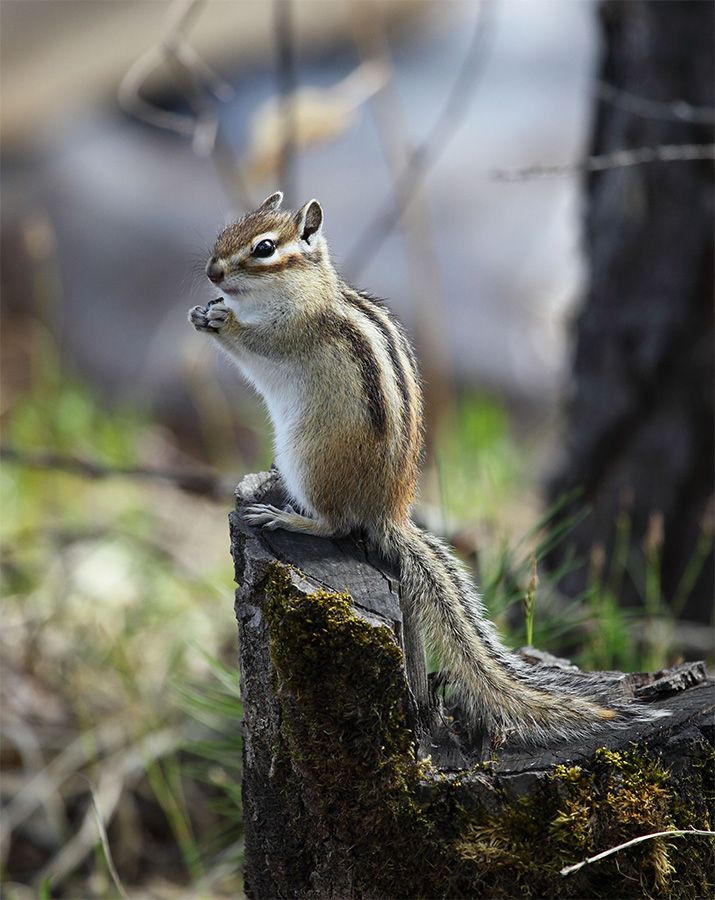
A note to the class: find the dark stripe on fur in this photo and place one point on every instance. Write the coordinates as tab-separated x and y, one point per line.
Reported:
366	305
291	261
368	366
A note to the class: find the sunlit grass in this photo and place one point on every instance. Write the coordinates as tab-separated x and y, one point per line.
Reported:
482	470
487	490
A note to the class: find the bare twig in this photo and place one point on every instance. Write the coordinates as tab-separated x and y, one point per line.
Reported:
286	82
426	154
205	484
173	44
196	80
677	110
617	160
568	870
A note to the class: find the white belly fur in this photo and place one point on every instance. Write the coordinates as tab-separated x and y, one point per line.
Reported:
284	396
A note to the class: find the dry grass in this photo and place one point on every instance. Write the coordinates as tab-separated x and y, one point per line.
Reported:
113	591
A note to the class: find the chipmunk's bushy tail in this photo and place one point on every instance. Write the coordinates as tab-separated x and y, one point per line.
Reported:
500	692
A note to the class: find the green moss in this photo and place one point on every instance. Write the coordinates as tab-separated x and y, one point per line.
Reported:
344	671
583	811
342	694
621	796
403	829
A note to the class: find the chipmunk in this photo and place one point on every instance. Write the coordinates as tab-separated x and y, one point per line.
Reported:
341	384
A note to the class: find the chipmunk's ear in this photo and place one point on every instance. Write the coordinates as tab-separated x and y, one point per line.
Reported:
272	203
309	220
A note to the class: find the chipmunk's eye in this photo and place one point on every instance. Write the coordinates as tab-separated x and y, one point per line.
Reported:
264	248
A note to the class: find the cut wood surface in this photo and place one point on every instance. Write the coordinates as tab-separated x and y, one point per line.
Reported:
348	792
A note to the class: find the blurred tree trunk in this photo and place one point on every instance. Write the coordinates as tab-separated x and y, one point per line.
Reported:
639	441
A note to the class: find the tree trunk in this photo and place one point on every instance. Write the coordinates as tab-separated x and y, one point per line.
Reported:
640	425
348	794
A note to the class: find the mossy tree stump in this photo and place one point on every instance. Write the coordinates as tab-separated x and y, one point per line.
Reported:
347	794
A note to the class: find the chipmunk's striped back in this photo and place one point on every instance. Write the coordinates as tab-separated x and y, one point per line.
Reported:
340	381
390	379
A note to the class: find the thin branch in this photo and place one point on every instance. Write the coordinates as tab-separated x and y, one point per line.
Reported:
619	159
173	44
205	484
677	110
131	101
568	870
426	154
286	82
196	80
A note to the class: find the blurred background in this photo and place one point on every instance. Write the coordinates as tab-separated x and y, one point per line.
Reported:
563	328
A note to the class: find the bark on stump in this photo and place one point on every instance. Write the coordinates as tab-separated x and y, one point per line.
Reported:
346	795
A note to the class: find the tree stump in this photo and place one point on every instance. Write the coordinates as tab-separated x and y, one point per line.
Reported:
348	794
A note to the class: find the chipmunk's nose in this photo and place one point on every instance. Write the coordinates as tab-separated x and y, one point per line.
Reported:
214	271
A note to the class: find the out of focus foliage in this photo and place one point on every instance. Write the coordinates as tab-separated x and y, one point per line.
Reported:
113	590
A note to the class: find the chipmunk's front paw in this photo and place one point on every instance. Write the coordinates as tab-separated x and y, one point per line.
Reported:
212	318
264	515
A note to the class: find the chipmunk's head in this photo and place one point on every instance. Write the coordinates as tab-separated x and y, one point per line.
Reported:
268	248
